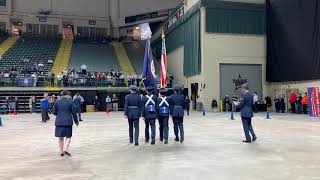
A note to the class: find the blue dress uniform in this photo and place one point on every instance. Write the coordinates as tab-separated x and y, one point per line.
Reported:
149	113
246	103
132	110
177	112
163	110
65	112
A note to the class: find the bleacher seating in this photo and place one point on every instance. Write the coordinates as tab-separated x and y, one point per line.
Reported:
3	38
98	57
135	51
33	48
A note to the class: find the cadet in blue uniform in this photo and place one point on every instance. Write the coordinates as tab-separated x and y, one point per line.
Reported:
246	103
65	112
177	112
132	111
149	113
163	115
78	104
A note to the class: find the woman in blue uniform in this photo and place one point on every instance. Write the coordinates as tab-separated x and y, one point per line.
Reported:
66	113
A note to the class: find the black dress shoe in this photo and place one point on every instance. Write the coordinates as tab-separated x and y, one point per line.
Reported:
66	153
161	139
254	138
61	154
153	142
245	141
181	140
166	141
176	139
147	141
80	120
136	144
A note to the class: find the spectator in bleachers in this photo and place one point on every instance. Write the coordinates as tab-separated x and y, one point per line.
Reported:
52	80
59	78
84	69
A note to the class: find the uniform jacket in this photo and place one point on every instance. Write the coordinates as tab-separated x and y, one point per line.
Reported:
132	106
246	103
177	105
77	101
44	103
145	113
65	112
160	115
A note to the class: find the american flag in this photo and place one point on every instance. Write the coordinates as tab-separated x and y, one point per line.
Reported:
163	68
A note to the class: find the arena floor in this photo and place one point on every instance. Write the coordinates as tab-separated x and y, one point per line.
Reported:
287	148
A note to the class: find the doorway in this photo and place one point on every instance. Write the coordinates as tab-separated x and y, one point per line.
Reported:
194	95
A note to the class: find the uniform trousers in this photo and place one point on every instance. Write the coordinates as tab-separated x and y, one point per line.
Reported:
133	126
247	128
152	124
178	126
164	127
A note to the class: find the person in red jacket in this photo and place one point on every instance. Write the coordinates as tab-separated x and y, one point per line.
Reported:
292	100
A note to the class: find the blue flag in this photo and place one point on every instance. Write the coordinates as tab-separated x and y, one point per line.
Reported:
149	72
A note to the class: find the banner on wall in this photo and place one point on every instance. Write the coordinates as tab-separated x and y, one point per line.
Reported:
314	102
25	81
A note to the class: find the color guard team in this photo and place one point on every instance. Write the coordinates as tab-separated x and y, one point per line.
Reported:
151	107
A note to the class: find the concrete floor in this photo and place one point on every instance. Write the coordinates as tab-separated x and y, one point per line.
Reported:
288	148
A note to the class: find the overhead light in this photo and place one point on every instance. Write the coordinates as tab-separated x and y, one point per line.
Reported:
137	28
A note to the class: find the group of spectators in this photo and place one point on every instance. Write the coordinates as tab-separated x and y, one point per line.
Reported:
298	103
72	77
27	68
11	104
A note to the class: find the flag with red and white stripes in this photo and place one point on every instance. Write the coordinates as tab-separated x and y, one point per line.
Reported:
163	68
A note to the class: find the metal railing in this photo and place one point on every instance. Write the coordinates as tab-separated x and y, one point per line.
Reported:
81	82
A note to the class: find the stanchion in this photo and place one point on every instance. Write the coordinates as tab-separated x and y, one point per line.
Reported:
203	112
232	116
107	109
267	115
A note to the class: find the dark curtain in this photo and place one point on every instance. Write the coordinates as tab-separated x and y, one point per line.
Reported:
237	21
192	59
293	40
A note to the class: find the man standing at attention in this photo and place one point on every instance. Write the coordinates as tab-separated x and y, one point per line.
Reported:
177	112
246	102
132	111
